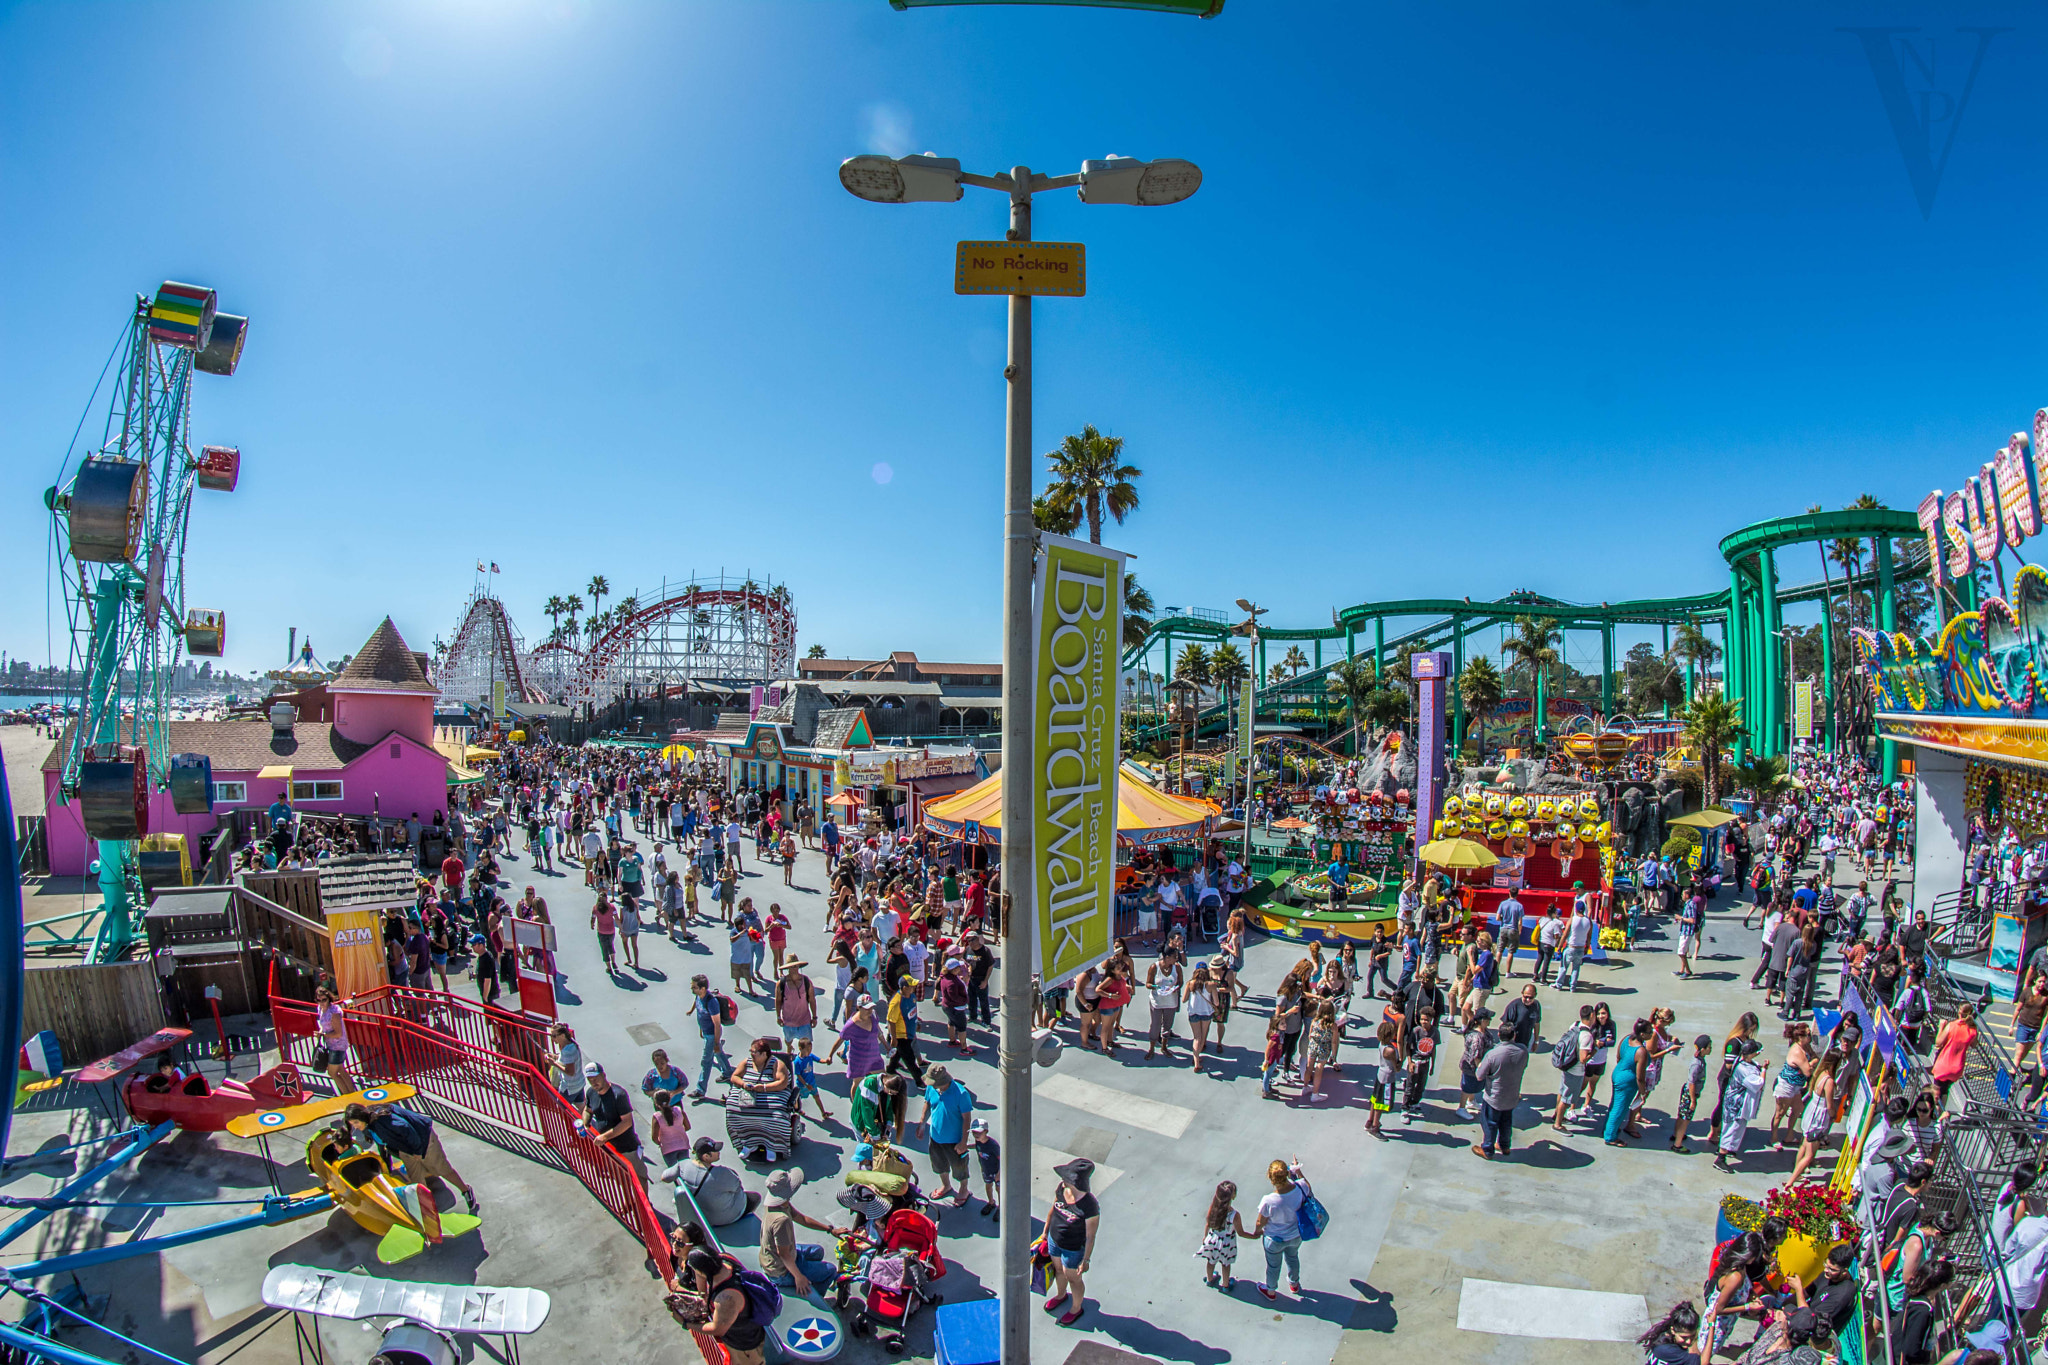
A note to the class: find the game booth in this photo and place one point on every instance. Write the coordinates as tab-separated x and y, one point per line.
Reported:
1544	845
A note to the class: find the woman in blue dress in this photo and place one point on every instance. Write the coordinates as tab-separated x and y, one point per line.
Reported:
1630	1069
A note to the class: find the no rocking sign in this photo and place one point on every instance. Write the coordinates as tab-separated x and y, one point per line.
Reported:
1057	268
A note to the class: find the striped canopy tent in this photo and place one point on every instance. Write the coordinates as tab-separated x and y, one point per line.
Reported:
1145	815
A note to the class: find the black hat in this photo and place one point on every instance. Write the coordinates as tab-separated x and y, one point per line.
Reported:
1076	1172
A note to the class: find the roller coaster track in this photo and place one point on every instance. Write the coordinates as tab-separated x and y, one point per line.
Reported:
1310	688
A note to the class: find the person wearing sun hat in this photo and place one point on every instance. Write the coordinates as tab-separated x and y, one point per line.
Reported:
796	1002
791	1264
1070	1227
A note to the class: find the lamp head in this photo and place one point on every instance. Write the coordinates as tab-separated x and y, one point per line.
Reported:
922	179
1127	180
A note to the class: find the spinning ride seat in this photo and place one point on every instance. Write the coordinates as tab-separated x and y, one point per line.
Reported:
206	633
191	784
223	351
219	467
183	315
113	798
105	518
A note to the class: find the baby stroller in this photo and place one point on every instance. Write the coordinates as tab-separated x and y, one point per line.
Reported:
1210	916
898	1275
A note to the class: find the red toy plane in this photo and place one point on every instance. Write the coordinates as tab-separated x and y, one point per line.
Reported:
193	1105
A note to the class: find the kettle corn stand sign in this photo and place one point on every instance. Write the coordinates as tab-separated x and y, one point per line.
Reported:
1077	634
1056	268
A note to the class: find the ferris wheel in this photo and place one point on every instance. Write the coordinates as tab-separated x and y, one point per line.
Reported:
121	517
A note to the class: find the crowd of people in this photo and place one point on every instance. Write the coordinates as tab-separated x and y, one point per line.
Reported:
912	935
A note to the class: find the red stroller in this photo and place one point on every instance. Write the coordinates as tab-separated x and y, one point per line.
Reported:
897	1277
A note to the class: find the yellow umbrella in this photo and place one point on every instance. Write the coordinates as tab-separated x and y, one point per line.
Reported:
1457	853
1144	814
474	753
517	736
679	751
1710	818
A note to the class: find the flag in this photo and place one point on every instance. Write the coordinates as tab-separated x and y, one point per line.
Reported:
479	566
494	566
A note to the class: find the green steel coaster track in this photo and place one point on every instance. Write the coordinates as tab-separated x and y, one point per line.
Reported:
1751	679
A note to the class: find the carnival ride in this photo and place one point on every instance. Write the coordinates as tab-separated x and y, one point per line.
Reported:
198	1106
720	635
121	519
486	652
1753	666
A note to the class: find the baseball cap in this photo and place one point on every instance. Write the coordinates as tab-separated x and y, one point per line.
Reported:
706	1144
592	1069
782	1184
978	1126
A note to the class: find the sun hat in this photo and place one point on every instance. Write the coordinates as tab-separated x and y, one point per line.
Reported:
782	1184
1076	1172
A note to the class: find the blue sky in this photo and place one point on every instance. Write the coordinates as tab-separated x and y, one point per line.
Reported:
1475	297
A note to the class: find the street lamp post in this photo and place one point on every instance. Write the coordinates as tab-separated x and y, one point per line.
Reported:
934	179
1250	628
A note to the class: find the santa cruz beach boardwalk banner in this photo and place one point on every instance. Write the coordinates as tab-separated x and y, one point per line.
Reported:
1077	635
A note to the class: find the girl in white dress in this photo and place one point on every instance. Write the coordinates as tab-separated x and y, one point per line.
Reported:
1220	1233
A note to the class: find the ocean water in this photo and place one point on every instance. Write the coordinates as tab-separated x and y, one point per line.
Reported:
16	701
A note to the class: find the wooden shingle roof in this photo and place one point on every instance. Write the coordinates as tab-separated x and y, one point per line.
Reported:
383	664
366	879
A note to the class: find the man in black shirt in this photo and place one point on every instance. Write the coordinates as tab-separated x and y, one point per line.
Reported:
1523	1018
1833	1300
610	1116
980	962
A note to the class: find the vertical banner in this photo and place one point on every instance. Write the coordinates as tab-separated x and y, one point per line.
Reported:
498	698
358	939
1077	640
1802	710
1431	672
1244	723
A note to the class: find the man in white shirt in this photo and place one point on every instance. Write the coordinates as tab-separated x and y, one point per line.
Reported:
1578	937
1764	945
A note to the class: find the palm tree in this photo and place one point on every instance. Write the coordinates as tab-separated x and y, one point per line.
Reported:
572	607
1763	776
1387	706
1482	688
599	588
1138	611
1227	667
1295	660
815	652
1534	646
1691	643
625	608
1349	682
1712	723
1277	673
1053	511
1193	666
554	607
1088	473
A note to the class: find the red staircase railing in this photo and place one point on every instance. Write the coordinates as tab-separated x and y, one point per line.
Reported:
485	1072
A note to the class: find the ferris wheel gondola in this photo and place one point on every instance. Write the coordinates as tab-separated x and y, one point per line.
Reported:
123	518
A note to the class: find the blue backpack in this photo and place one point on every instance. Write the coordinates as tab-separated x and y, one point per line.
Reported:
764	1300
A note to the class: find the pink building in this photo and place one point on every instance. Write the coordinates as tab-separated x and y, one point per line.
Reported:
376	757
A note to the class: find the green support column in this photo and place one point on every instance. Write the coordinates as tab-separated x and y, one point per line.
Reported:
1168	637
1887	621
1319	651
1379	646
1824	727
1457	692
1260	681
1774	694
1606	669
1731	645
1350	643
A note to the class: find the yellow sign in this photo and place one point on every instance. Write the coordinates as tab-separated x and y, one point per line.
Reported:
1021	268
1802	710
1077	633
358	951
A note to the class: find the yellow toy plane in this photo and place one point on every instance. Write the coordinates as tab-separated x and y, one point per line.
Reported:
402	1214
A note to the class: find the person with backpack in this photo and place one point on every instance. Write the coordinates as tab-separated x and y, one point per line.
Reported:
713	1012
408	1140
742	1304
1569	1056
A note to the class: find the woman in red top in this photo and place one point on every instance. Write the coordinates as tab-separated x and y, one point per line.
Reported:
778	936
1951	1046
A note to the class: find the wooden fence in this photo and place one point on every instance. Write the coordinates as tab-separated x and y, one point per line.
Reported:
298	944
93	1010
298	892
32	845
